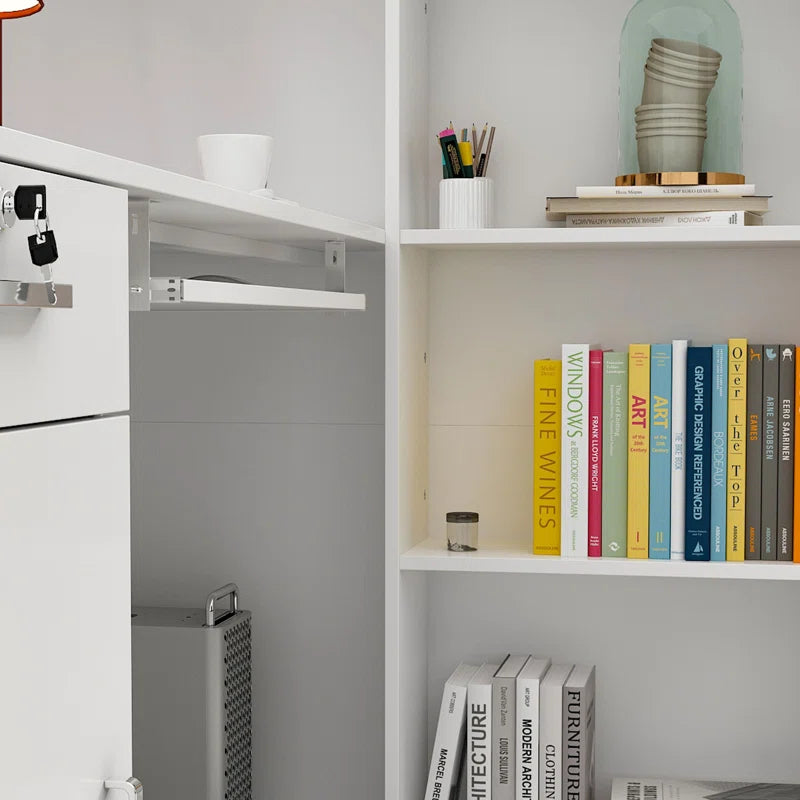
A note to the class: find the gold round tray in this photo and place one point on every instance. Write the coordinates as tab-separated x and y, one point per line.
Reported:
680	179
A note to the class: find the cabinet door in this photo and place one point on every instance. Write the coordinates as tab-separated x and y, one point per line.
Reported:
65	363
65	671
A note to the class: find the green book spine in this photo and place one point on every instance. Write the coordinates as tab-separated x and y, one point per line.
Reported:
615	455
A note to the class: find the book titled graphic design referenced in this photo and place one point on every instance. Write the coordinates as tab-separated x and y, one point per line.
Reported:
504	709
547	458
719	454
578	734
450	733
551	737
769	459
615	455
660	789
678	517
660	450
478	763
786	454
685	219
752	504
638	450
698	454
595	500
528	731
737	436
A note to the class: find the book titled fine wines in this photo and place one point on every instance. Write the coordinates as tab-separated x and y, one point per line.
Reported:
578	734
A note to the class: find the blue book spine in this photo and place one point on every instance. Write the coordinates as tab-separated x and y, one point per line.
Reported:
699	383
660	450
719	454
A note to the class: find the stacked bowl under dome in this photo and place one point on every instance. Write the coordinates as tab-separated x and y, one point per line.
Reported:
671	123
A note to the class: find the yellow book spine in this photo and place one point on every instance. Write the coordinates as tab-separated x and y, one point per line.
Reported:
547	458
638	450
737	435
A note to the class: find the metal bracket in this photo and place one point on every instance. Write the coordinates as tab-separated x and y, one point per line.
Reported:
132	788
335	259
139	254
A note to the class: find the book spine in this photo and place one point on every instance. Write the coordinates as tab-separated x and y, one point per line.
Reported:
678	518
503	715
737	433
698	474
479	741
752	503
719	453
786	460
769	458
638	450
660	450
796	459
547	458
445	759
615	455
667	219
550	746
575	451
602	192
528	738
595	501
578	743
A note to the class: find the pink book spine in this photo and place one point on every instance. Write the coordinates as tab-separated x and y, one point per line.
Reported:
596	454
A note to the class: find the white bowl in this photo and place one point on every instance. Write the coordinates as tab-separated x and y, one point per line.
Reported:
665	89
710	70
687	51
670	152
237	160
684	74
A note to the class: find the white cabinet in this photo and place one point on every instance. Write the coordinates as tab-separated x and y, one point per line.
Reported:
66	363
65	578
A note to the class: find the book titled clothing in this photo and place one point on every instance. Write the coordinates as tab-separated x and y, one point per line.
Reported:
595	453
752	502
547	458
528	685
786	454
678	516
660	450
615	455
575	450
638	450
719	453
478	763
578	738
450	733
700	366
551	706
737	435
504	708
769	459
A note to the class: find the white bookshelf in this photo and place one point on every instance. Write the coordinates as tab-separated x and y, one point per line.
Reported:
683	650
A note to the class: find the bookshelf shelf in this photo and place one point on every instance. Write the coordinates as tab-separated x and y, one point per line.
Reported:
610	238
432	556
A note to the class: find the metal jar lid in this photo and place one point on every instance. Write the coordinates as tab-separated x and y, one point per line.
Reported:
462	516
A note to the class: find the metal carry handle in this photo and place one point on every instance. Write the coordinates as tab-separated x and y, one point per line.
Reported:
132	788
228	589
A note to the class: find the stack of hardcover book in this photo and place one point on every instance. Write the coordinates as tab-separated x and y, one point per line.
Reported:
517	729
659	206
668	451
660	789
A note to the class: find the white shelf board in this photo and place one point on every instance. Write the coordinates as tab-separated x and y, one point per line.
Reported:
190	202
432	556
181	293
558	238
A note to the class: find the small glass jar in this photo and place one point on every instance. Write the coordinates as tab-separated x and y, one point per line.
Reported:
462	531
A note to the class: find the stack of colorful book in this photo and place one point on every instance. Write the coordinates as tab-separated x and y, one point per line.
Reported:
659	206
668	451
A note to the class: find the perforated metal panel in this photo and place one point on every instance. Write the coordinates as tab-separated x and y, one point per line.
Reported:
238	742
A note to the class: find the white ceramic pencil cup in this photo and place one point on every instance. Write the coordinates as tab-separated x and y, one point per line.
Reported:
238	160
466	203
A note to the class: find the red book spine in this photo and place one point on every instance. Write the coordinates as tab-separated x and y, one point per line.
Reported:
596	454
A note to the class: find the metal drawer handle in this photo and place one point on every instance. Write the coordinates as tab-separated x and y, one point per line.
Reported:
132	787
21	294
228	589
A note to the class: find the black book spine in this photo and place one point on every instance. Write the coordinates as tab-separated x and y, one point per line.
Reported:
755	391
786	460
769	462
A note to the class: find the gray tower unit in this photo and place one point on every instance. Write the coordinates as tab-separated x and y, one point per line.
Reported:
191	701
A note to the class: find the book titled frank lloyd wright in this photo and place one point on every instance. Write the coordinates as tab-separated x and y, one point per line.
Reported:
660	789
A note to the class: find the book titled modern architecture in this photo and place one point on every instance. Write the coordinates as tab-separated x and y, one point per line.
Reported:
660	450
575	450
615	455
578	734
528	727
478	758
678	499
638	450
450	733
660	789
551	715
786	453
737	434
547	458
769	460
595	453
752	504
504	708
719	454
700	365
